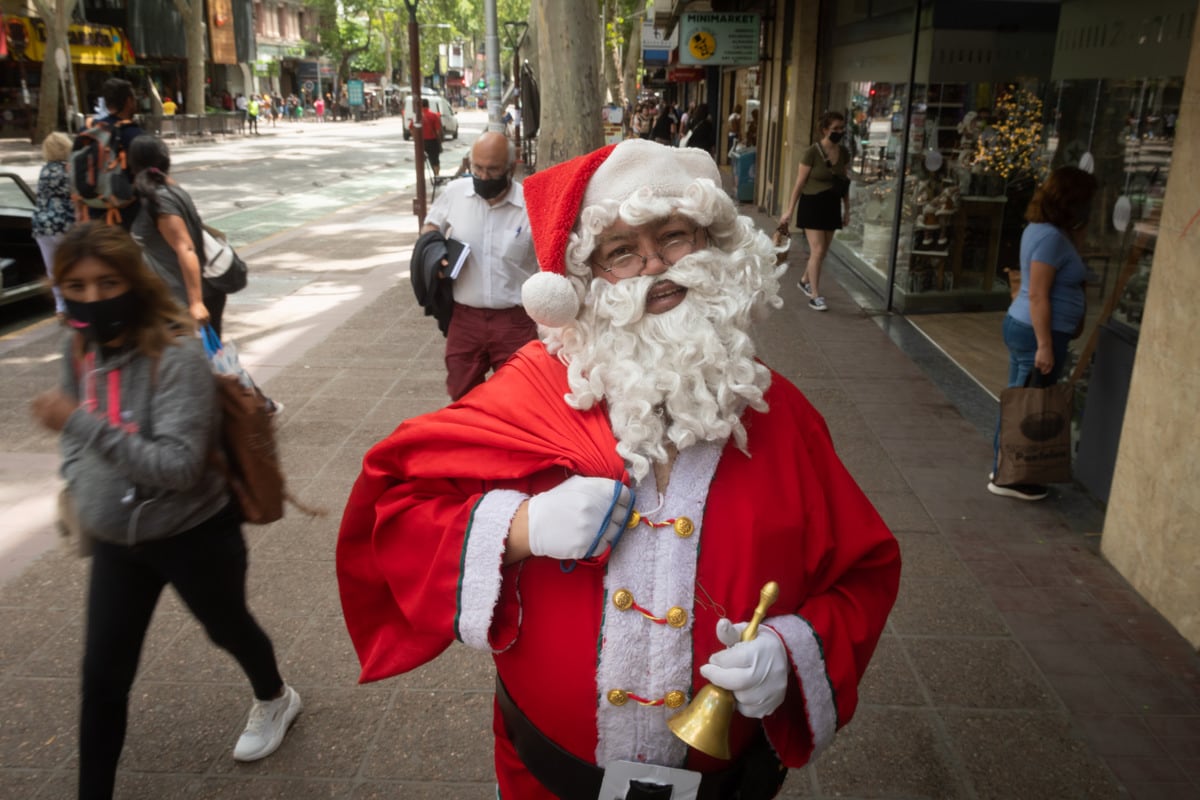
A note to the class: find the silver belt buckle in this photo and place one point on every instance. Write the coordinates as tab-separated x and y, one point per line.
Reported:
618	774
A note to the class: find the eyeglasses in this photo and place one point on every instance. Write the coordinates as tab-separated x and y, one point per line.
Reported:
624	261
488	173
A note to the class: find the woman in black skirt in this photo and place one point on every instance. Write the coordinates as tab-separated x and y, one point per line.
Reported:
822	192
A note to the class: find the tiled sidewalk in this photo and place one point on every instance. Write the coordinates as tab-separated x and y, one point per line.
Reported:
1017	663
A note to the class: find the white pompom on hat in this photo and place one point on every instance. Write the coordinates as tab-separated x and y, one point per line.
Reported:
555	197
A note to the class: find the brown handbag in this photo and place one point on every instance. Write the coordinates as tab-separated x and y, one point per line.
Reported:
783	243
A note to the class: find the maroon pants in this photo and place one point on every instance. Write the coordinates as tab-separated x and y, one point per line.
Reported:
481	339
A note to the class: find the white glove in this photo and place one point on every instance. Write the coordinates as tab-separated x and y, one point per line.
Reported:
579	518
755	671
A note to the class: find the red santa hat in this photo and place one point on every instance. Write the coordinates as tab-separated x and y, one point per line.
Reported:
555	197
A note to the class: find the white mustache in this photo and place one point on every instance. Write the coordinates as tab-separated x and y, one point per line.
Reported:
624	303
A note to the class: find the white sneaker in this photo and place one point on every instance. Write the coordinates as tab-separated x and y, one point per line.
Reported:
268	724
818	304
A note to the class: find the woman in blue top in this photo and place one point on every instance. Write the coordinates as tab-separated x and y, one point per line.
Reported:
1048	311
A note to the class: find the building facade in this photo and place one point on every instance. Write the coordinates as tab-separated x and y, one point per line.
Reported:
957	109
282	29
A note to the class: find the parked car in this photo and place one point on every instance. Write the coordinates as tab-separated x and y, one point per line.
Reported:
20	259
439	104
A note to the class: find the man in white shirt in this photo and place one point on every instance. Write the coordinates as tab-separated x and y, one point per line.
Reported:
488	213
241	103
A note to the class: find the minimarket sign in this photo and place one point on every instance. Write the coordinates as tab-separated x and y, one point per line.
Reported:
718	39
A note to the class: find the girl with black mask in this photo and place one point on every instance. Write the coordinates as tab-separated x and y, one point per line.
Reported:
138	416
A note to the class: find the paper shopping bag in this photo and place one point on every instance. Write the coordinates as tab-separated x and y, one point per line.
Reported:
1035	434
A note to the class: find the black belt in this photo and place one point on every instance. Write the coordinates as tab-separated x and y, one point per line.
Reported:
756	775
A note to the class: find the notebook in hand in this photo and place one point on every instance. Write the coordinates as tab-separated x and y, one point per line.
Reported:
456	254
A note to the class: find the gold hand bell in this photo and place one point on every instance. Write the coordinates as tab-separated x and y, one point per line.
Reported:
704	724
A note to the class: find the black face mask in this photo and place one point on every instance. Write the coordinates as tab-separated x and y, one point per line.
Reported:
104	320
487	188
836	136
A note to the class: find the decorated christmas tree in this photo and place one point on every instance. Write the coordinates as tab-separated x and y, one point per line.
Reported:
1012	146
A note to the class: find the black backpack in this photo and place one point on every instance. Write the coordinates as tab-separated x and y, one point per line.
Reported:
97	171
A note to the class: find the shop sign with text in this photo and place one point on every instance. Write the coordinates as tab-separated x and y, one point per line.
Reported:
685	74
222	43
712	39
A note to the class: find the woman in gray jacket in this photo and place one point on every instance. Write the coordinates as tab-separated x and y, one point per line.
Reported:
138	415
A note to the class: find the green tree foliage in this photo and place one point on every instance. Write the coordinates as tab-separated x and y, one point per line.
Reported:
622	43
466	22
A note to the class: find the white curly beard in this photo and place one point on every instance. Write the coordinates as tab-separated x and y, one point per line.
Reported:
679	377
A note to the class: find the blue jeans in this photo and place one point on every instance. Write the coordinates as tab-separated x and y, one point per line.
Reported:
1022	350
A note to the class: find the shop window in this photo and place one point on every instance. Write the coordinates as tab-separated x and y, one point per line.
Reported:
1126	130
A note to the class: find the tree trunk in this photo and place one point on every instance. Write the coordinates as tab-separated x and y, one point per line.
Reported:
633	57
192	12
611	56
194	102
530	53
387	48
56	17
570	79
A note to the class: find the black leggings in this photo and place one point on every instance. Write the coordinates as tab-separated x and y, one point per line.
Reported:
207	567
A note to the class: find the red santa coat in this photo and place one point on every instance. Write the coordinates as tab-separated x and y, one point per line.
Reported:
596	656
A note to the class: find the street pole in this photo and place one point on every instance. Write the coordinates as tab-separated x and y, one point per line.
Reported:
492	46
414	65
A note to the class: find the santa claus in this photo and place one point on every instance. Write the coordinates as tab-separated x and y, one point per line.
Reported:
603	512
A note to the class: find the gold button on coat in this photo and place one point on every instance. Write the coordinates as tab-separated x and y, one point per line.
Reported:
684	527
623	599
677	617
618	697
674	698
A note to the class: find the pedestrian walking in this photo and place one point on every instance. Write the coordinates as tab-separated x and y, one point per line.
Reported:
319	108
613	503
119	107
487	213
733	127
431	136
137	413
639	126
167	242
1051	305
821	200
265	109
252	109
703	134
663	130
54	212
242	105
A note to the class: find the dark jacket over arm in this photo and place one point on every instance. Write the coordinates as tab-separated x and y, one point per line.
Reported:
434	293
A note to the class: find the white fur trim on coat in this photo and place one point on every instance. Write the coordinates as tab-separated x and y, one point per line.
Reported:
483	555
808	663
637	655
